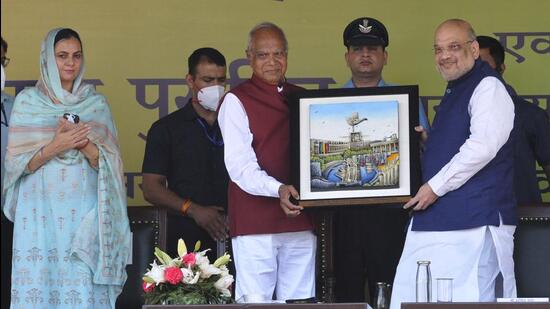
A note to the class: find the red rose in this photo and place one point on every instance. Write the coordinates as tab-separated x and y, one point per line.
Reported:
147	287
189	259
173	275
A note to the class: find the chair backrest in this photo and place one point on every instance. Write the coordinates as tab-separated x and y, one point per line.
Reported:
148	225
532	251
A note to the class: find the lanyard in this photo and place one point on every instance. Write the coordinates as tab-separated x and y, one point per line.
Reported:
214	138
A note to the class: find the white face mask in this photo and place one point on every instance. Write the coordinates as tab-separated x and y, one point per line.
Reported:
3	77
209	97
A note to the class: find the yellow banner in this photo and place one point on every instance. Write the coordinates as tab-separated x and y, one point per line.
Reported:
136	51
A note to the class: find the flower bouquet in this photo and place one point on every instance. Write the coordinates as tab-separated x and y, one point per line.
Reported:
187	279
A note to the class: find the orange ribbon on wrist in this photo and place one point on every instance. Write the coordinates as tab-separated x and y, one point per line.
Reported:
185	206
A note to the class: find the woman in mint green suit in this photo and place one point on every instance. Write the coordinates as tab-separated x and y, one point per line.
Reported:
64	188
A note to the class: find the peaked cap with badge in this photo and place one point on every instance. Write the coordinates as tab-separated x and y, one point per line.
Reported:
365	31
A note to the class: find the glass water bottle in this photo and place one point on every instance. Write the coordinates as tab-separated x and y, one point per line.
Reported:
423	282
382	300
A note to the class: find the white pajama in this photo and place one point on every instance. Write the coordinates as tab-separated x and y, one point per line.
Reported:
472	257
283	263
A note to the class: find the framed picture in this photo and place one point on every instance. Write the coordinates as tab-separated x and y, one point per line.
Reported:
355	146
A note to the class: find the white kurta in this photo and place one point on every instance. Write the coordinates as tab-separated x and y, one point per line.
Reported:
472	257
240	159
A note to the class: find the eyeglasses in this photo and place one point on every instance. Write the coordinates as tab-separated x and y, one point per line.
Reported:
5	61
451	48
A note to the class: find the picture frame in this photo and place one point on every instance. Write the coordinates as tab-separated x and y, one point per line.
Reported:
355	146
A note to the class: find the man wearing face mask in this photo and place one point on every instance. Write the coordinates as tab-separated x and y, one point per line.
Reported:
183	168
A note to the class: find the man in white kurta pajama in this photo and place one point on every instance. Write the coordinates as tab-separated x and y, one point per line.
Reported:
464	216
273	242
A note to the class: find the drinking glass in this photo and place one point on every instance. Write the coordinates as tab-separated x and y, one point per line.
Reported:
444	290
382	300
253	298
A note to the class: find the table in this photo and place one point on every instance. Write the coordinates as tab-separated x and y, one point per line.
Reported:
264	306
516	305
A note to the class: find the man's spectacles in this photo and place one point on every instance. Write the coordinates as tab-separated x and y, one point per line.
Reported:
451	48
5	61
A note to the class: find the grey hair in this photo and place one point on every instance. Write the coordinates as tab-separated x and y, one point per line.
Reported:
262	26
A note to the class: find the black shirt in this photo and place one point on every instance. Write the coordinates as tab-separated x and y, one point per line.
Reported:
189	152
185	149
531	135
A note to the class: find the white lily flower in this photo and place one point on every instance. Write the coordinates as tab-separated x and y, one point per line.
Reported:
188	275
224	271
223	284
201	258
196	278
208	270
156	273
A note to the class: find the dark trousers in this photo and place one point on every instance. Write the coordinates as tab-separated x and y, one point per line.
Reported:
185	228
368	241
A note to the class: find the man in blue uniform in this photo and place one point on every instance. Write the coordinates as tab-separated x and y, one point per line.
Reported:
358	230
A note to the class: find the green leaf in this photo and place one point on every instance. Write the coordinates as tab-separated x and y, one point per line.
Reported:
197	245
200	294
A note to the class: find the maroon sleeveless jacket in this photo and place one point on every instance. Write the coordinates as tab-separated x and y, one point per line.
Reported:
268	116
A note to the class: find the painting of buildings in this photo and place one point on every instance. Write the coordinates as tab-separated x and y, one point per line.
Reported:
354	146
